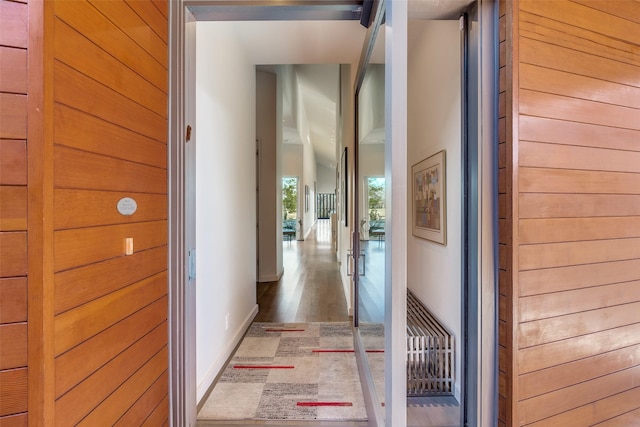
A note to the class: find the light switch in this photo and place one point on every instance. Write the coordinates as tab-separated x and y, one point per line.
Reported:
128	246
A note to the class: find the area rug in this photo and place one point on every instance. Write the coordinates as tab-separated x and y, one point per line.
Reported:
290	371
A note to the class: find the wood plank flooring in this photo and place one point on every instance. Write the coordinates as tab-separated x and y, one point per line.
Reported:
310	290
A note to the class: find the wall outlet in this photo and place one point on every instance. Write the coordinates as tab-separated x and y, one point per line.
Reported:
226	322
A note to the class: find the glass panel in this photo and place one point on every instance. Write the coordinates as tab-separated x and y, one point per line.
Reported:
370	197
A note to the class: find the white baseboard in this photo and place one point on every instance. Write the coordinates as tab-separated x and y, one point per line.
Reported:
218	365
271	278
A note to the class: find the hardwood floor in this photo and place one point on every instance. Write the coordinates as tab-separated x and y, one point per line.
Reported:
310	290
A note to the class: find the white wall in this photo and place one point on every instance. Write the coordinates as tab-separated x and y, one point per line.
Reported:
434	124
225	214
326	177
270	267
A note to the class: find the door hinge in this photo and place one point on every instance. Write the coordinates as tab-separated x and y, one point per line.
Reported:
188	135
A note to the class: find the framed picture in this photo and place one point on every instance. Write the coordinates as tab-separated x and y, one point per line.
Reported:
344	187
429	218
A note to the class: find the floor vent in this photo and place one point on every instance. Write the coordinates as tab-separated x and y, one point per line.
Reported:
430	354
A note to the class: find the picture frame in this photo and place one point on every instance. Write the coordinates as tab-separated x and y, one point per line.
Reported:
429	199
344	186
306	198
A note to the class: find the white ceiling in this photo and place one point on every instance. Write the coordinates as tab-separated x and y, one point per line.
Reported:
320	42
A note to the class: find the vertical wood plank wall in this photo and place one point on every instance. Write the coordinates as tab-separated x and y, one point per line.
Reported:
505	222
13	213
105	138
572	215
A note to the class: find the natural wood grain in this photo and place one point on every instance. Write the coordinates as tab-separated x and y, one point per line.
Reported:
75	326
554	33
559	82
125	396
559	352
564	59
577	110
83	398
576	229
629	10
88	21
147	403
13	389
13	69
577	300
310	290
19	420
13	208
540	205
78	247
85	208
131	24
560	401
163	7
631	418
13	352
559	279
592	20
543	331
595	412
81	170
78	91
559	377
541	129
13	300
13	254
534	154
574	253
77	129
81	285
13	116
152	17
542	180
13	162
160	414
82	55
14	21
81	361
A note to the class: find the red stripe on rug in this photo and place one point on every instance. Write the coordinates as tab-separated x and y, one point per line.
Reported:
284	330
374	351
324	404
263	367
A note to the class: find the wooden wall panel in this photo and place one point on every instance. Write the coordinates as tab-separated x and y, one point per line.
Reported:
13	161
13	69
13	300
575	232
13	213
109	114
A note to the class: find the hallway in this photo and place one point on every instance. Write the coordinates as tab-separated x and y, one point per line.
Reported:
295	365
310	289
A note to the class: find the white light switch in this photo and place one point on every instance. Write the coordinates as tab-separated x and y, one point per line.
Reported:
128	246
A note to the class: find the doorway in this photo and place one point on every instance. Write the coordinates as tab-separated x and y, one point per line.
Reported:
394	310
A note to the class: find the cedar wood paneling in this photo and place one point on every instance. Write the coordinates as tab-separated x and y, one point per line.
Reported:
571	214
100	78
110	128
13	213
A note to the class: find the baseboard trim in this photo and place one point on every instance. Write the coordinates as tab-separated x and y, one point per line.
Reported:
206	385
272	278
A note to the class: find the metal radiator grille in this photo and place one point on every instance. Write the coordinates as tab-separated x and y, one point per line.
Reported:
429	352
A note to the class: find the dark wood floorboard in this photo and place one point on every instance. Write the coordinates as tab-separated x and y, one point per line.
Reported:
310	290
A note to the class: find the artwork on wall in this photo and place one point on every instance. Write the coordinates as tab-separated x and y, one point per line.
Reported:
344	187
429	198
